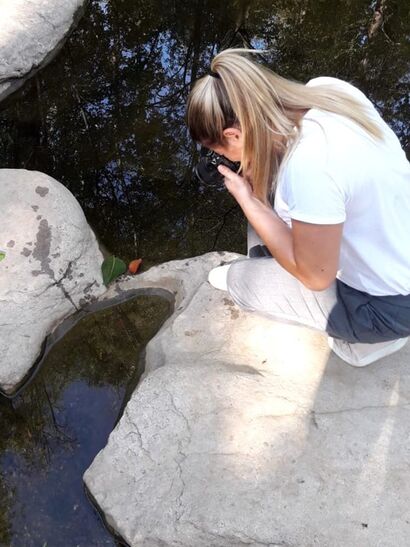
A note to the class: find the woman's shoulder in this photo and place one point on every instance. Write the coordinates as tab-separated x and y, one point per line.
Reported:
325	80
340	85
334	82
326	128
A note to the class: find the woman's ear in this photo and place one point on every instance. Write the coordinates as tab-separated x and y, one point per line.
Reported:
232	133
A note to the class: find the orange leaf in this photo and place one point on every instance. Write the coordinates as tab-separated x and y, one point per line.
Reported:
134	265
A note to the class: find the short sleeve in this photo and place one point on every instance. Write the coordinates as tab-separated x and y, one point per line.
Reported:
310	188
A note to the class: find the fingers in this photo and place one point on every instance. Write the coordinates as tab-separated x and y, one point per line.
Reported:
226	172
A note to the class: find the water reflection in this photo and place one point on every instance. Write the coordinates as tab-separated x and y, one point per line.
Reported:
106	118
53	430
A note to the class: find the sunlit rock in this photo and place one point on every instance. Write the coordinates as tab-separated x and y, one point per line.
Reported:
51	267
31	33
247	431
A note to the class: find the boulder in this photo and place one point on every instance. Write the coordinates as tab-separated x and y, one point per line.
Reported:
247	431
31	34
51	269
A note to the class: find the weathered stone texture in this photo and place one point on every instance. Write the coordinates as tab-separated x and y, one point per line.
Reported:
246	431
31	33
52	266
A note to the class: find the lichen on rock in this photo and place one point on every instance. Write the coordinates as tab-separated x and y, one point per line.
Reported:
42	285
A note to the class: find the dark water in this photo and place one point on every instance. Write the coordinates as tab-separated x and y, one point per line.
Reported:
106	118
52	431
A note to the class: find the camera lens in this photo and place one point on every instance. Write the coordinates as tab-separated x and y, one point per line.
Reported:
207	168
208	173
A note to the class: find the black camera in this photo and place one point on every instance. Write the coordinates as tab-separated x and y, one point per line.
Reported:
207	168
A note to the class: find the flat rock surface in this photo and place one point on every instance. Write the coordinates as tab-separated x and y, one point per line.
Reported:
247	431
31	33
51	269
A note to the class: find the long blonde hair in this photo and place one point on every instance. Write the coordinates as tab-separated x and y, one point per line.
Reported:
247	95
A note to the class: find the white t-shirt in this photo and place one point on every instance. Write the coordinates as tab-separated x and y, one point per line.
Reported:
337	173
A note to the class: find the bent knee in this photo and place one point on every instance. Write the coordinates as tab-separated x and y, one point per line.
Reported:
240	285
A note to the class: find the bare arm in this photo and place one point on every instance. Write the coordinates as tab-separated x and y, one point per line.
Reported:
310	252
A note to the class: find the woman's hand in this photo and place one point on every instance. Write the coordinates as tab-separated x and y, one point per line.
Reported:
240	187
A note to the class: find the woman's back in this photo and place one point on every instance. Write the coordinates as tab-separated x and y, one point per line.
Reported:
338	173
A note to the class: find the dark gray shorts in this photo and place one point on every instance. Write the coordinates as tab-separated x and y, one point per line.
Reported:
258	283
362	317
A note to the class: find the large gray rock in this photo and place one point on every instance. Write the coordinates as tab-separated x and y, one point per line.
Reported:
52	267
246	431
31	33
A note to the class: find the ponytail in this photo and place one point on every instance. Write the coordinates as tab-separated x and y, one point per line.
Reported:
253	98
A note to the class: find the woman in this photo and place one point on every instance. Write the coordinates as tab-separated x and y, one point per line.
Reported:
326	193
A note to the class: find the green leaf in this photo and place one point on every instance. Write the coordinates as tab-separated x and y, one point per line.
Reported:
111	268
2	255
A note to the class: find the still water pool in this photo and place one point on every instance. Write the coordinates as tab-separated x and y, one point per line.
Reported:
106	118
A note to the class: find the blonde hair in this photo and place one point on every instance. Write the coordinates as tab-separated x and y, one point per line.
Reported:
247	95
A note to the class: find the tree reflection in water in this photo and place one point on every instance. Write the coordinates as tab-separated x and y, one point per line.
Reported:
55	427
106	118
